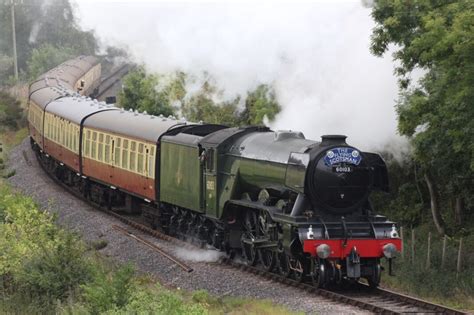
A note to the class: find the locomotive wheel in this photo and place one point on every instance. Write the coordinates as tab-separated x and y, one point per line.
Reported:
250	234
174	222
267	258
190	230
284	265
318	273
299	269
374	281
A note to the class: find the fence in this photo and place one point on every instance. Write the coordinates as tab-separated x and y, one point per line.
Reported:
433	251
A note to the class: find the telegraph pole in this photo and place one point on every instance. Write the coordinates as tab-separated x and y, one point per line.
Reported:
15	58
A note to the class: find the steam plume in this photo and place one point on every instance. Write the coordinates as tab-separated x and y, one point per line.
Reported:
315	54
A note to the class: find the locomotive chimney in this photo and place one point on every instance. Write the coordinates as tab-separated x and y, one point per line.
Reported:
333	140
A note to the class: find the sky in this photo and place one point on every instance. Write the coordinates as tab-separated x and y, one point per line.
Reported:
315	54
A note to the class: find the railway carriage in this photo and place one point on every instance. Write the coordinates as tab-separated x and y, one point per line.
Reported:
81	74
294	206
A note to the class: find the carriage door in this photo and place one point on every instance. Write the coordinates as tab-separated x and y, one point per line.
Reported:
209	181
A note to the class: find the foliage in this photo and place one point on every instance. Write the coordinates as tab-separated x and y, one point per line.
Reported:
6	65
202	106
39	23
140	93
441	284
55	273
47	270
10	112
161	302
437	114
168	94
108	291
38	261
260	103
405	202
47	57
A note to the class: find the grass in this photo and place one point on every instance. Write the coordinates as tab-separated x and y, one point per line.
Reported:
442	285
46	269
12	138
237	306
8	140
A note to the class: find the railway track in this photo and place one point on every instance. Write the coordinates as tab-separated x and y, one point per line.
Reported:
360	295
375	300
126	220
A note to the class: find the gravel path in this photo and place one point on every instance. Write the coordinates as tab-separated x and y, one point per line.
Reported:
93	225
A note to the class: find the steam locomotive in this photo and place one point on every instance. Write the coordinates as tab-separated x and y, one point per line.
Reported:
291	205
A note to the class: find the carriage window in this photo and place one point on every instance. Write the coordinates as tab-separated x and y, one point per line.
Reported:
74	135
63	132
51	123
55	128
94	145
125	154
133	157
47	126
140	163
100	150
141	159
87	145
61	136
117	152
107	149
100	147
58	130
68	136
151	162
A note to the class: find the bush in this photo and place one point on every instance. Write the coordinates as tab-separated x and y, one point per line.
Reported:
109	291
160	302
44	269
98	244
10	112
39	262
47	57
56	272
442	284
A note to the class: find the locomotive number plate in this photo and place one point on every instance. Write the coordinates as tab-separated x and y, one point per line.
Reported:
342	169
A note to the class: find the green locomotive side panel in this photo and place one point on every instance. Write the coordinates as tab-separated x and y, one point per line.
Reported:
256	174
180	176
240	175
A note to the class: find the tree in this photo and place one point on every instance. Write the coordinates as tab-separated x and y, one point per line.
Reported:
140	93
165	94
45	58
437	113
10	112
202	107
260	103
39	23
6	65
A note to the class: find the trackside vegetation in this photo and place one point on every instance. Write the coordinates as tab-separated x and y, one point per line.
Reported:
169	94
45	269
433	188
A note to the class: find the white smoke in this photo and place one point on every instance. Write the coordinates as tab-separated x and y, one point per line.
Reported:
198	255
316	55
34	33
